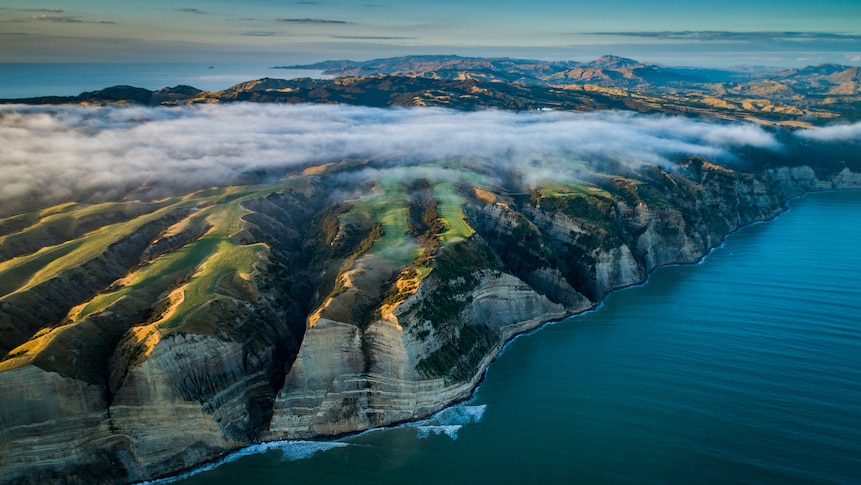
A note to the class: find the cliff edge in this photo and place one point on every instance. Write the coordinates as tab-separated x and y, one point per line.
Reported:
143	338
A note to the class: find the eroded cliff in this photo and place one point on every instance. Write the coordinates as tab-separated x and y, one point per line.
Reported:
175	332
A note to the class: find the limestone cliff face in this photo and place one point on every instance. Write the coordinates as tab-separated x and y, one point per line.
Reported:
192	392
345	379
795	181
172	404
48	421
322	338
550	263
153	414
123	394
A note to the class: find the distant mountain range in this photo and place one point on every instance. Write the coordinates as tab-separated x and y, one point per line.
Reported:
807	96
610	71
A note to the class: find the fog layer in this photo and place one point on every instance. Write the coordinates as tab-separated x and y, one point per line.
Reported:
71	153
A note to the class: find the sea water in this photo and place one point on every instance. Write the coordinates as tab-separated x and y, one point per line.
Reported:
24	80
745	368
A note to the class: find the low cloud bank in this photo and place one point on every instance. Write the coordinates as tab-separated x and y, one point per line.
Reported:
835	133
61	153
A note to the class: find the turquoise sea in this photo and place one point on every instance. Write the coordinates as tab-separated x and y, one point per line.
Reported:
745	368
25	80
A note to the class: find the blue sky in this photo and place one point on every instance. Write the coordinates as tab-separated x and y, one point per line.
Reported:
765	32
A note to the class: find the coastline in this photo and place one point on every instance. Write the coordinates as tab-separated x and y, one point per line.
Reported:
504	301
327	442
28	80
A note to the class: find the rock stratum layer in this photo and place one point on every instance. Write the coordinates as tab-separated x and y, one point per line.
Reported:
141	338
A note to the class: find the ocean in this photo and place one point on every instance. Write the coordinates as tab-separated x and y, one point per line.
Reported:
25	80
745	368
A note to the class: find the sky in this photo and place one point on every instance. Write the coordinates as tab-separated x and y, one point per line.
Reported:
272	32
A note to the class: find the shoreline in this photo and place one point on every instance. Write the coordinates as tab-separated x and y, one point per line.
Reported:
263	447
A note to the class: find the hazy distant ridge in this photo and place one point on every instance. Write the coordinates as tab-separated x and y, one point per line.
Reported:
813	95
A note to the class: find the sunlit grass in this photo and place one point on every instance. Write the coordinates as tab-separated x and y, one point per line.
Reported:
389	207
450	207
64	221
15	273
572	188
165	269
60	223
88	247
204	260
19	222
216	255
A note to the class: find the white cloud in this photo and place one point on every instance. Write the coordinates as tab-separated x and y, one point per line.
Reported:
51	153
833	133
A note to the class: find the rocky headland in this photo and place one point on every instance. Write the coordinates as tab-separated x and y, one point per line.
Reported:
323	335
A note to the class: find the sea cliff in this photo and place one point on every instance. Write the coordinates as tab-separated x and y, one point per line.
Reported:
325	332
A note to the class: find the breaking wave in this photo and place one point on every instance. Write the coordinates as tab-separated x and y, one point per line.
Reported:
448	421
449	430
290	450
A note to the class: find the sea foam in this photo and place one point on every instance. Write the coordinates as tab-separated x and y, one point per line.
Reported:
448	421
291	451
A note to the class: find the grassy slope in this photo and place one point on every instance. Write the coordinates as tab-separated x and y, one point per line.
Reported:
395	253
450	205
382	254
19	222
217	264
24	272
27	233
223	256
